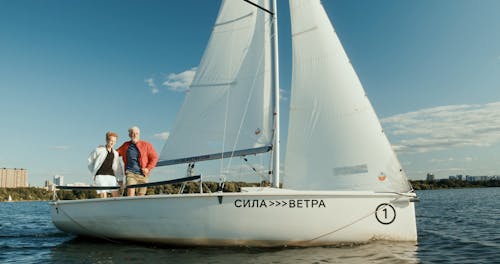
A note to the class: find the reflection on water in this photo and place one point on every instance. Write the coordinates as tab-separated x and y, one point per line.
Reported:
81	250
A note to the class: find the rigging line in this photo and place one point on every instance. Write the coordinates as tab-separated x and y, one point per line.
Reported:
223	177
266	21
82	226
253	169
348	225
259	7
345	226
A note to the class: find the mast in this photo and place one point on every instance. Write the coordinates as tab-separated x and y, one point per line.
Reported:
276	143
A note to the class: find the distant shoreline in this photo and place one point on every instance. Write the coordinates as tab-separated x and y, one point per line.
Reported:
40	194
452	184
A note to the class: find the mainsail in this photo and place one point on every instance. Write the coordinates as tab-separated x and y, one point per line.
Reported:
228	107
335	141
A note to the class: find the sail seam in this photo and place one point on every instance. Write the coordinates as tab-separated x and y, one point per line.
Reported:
233	20
305	31
213	84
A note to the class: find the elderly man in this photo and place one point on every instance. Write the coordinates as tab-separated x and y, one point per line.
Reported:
140	158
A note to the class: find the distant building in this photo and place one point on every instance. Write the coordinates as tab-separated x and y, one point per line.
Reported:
49	186
470	178
430	177
12	178
456	177
482	178
477	178
58	180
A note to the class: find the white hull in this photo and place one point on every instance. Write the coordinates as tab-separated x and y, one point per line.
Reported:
260	217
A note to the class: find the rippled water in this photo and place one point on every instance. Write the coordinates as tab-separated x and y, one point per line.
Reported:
460	225
454	226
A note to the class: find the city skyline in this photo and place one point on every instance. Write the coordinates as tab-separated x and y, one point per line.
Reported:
69	72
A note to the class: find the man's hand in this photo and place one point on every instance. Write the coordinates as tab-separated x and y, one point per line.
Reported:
145	171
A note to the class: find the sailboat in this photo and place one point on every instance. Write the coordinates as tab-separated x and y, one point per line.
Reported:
9	199
342	180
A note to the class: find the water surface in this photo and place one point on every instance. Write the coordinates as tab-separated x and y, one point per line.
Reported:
454	226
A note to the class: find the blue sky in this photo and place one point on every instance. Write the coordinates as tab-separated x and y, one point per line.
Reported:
72	70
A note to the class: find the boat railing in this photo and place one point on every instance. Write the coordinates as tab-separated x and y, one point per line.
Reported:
183	180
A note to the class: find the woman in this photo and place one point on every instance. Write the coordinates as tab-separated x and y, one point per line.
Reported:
106	166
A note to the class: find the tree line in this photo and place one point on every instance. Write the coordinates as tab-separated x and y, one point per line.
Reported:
452	184
41	194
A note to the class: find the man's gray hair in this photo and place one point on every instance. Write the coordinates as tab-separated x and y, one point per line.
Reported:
134	128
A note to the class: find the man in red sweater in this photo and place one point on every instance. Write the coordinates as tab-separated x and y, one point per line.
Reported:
140	158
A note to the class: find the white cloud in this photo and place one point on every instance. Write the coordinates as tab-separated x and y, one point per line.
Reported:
445	127
180	82
406	163
151	83
162	135
450	159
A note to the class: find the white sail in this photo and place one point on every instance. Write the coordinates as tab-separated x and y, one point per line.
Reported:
335	141
228	107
